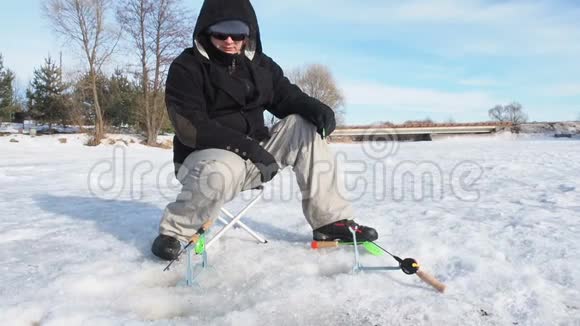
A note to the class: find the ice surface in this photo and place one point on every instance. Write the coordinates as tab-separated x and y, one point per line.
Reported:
495	218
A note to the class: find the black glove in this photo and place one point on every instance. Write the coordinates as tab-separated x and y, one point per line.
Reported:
323	119
267	165
268	172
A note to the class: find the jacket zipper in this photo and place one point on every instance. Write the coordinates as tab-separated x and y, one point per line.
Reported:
232	67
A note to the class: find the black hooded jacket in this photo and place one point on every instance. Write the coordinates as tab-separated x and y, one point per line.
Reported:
210	107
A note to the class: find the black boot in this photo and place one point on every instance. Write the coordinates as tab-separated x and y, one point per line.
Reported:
166	247
339	230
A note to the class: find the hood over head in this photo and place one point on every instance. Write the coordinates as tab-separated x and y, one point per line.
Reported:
216	11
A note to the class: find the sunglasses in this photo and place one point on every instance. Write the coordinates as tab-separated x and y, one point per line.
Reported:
223	37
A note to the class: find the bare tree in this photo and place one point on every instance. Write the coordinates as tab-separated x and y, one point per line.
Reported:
83	22
512	113
157	30
496	113
317	81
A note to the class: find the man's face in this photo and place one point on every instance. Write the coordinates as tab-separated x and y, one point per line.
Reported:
226	44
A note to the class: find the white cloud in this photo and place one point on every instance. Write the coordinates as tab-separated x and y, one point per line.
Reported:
455	27
480	82
462	11
431	100
562	90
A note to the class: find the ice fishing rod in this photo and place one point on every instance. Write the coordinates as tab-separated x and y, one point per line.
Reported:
372	247
409	266
193	240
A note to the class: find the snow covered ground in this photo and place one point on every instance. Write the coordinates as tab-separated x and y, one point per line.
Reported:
497	219
552	128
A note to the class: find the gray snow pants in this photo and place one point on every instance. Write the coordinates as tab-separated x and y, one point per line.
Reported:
212	177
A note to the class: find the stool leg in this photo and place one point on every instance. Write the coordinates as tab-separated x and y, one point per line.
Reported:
234	221
243	226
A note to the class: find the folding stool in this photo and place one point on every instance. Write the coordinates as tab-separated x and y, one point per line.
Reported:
236	220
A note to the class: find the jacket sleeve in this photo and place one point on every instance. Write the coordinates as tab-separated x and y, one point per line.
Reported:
188	113
289	98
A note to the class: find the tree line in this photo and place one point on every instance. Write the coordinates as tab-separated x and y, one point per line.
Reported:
146	33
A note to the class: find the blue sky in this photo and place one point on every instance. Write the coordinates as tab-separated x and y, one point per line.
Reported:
394	60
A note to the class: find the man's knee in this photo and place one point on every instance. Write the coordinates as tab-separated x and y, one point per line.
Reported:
294	119
297	121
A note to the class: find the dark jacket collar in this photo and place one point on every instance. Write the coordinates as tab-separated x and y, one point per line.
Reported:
261	76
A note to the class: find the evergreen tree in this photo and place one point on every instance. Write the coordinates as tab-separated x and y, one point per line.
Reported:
6	92
118	94
47	98
121	107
